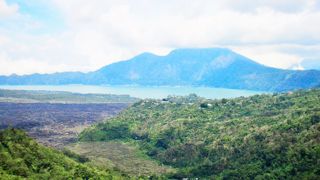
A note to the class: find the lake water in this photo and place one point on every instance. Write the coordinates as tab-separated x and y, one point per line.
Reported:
141	91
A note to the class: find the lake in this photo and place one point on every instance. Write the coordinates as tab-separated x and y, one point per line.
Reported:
141	91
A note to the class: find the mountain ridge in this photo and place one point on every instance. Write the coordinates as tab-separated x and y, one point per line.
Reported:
211	67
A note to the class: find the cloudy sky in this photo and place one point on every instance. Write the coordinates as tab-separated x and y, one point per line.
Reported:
81	35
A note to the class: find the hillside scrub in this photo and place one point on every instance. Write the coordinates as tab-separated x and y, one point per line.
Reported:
23	158
258	137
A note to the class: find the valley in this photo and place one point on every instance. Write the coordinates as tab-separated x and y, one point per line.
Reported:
120	156
256	137
23	158
55	119
55	124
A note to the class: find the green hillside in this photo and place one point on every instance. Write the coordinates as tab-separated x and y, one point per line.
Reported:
259	137
22	158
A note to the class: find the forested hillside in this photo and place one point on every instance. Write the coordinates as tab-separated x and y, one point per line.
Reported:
273	136
22	158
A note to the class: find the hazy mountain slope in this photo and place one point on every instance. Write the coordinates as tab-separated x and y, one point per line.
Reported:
45	79
180	67
214	67
205	67
258	137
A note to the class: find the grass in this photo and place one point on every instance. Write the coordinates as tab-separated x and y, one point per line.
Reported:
119	156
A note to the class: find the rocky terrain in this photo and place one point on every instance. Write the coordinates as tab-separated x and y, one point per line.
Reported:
55	124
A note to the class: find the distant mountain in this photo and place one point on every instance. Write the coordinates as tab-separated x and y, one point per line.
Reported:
212	67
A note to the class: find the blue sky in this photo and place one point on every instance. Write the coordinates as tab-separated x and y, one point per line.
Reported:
80	35
42	12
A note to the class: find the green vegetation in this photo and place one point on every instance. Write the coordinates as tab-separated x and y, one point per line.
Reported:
22	158
259	137
120	157
18	96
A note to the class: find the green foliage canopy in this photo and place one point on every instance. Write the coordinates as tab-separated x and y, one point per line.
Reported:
258	137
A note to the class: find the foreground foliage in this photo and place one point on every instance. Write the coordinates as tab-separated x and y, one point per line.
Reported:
258	137
23	158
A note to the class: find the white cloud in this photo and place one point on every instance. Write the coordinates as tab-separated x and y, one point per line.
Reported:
99	32
269	55
286	56
287	6
184	23
25	66
7	10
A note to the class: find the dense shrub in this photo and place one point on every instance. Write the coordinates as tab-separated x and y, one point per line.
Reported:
262	137
23	158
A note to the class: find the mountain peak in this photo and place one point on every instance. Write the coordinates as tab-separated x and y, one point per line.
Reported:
144	55
201	54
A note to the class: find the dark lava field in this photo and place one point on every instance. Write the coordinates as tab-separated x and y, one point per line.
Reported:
55	124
